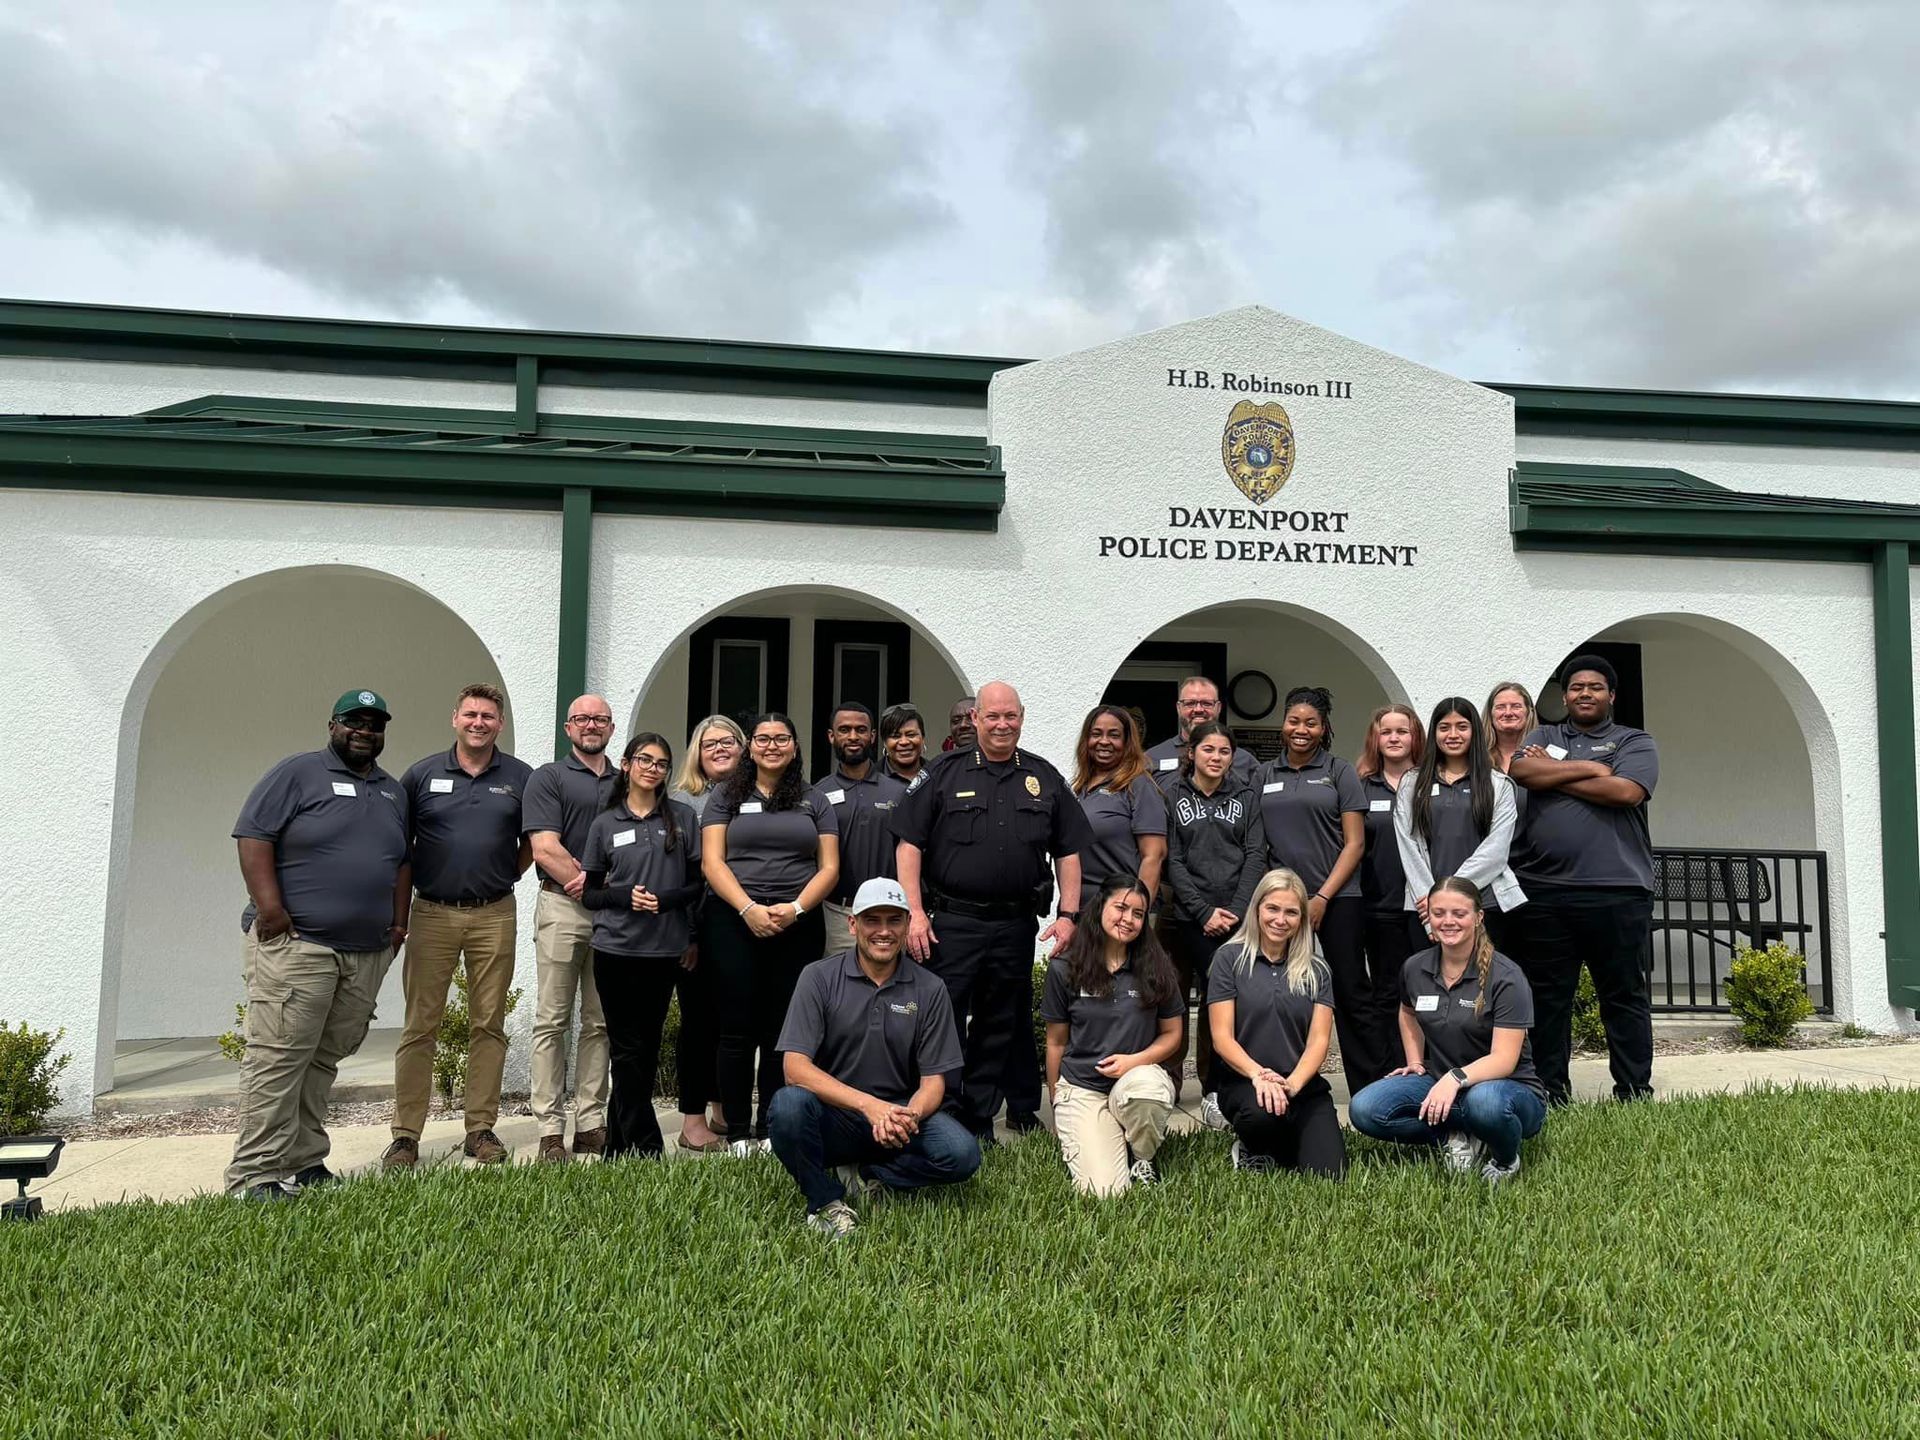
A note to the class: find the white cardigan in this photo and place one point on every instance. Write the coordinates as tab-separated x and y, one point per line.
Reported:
1487	867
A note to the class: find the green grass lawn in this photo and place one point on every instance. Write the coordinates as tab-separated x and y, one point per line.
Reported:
1717	1266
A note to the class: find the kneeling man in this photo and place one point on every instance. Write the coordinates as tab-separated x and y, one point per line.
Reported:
868	1044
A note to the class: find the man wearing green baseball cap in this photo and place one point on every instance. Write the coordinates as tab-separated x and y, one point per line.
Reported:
323	851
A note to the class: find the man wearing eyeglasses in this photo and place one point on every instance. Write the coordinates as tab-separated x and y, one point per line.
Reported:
1199	702
323	851
562	799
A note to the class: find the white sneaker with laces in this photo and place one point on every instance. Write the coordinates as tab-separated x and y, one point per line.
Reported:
1244	1160
1143	1173
747	1149
1493	1172
835	1220
1211	1115
1461	1154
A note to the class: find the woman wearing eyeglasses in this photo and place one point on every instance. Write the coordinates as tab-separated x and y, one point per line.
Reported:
643	875
771	854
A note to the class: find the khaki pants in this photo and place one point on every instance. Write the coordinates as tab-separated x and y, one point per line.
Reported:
1096	1131
440	935
839	937
308	1008
563	948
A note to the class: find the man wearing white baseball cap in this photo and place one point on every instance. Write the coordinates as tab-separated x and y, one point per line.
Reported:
867	1046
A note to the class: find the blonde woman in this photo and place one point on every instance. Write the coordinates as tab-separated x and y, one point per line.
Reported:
1510	719
1469	1085
714	748
1270	1009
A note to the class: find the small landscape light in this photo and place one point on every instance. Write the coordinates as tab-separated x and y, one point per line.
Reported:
24	1158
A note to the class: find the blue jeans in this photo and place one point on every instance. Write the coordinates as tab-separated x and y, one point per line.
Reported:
1501	1113
810	1137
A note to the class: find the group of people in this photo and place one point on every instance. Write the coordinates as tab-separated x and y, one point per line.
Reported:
1432	904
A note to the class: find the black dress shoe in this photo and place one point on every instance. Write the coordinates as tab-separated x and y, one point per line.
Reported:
314	1175
1023	1124
270	1192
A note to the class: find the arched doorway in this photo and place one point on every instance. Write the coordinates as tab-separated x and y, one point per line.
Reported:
241	681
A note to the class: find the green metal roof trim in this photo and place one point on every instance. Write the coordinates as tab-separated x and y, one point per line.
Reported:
1601	507
1709	418
276	449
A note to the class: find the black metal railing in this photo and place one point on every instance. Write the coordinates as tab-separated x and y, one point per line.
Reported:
1710	904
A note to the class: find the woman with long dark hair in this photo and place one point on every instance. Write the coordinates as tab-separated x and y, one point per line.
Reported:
642	863
1114	1014
1122	803
1314	810
1468	1085
771	855
1455	815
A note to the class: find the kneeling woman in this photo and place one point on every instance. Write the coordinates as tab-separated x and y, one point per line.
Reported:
643	874
1114	1015
1270	1008
1469	1084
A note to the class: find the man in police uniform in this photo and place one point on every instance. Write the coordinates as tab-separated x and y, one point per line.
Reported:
562	799
468	853
862	795
1199	702
976	839
1585	860
323	851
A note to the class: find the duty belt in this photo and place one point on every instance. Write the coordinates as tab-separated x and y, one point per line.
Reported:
984	909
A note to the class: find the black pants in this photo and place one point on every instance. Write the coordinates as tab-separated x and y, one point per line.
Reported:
987	966
1306	1138
694	1050
1355	1013
1192	950
1503	929
634	992
753	982
1390	938
1607	931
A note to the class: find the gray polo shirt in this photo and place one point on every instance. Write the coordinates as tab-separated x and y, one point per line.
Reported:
1269	1020
1163	760
625	851
1455	1036
1302	810
882	1039
772	853
1383	879
1118	818
863	811
563	796
1115	1023
466	828
1574	843
339	840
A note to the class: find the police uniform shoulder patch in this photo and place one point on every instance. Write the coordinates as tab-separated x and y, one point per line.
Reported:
1033	786
1257	449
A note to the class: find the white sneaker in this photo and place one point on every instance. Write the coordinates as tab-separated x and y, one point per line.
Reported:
1211	1115
1461	1154
1143	1173
1242	1160
747	1149
1493	1172
835	1220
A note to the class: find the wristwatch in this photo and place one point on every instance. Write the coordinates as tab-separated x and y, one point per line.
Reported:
1459	1077
1073	915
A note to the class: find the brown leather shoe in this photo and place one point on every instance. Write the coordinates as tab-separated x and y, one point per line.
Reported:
590	1142
553	1150
485	1146
402	1154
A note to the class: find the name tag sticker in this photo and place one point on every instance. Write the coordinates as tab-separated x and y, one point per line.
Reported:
836	797
751	807
1436	788
1381	805
1558	752
622	837
341	787
440	787
1273	787
1426	1002
965	794
1170	763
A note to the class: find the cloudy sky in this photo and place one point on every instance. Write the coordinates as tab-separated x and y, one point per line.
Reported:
1708	195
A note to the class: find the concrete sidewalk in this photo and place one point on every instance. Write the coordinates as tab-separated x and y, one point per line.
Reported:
175	1167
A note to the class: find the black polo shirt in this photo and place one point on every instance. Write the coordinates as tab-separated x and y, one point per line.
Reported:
1302	809
1383	880
339	839
990	829
1270	1021
625	851
466	828
1164	760
1570	842
1455	1036
1115	1023
1116	819
881	1039
563	796
863	812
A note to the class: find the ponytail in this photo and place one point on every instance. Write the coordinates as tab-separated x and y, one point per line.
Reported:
1483	961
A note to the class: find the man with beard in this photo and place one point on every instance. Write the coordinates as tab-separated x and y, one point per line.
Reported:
323	852
862	794
1198	702
562	799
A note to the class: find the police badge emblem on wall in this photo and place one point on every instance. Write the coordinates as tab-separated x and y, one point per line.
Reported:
1257	449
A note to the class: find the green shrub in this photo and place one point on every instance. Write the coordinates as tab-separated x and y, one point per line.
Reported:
1766	989
1854	1031
1588	1031
1039	1025
666	1078
233	1043
29	1077
450	1044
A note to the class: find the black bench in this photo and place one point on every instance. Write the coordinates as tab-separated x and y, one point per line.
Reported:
1736	884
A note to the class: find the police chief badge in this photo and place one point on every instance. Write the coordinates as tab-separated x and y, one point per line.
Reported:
1257	449
1033	786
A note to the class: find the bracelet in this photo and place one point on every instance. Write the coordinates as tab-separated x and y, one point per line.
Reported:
746	907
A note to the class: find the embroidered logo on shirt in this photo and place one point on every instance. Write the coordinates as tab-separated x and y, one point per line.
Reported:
912	1007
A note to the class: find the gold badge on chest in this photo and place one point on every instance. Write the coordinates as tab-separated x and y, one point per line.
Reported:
1033	786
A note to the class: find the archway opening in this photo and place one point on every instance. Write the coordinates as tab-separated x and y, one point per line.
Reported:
244	680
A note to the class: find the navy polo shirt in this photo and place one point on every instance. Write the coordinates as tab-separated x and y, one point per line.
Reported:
880	1039
863	812
1116	819
562	798
1302	809
339	839
990	829
626	851
1383	880
1457	1037
1115	1023
1163	760
774	854
1569	842
466	828
1270	1021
